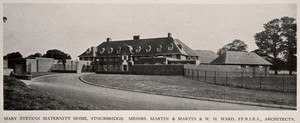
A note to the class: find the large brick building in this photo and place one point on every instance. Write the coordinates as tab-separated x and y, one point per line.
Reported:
120	55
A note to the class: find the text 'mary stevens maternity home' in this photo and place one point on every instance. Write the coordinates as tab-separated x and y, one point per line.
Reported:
120	55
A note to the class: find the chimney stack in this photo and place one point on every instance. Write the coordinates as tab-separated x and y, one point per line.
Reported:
136	37
169	35
108	39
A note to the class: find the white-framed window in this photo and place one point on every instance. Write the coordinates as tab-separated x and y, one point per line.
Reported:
179	46
138	49
110	50
171	47
88	50
148	48
102	50
158	49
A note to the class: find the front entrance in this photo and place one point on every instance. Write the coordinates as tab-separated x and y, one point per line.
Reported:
125	67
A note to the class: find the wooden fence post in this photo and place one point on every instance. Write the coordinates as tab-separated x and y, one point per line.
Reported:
260	87
204	75
282	82
226	78
215	77
242	79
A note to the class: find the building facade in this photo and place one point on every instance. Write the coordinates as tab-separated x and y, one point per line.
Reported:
247	61
120	55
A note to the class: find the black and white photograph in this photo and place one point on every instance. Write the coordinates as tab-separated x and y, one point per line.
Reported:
170	57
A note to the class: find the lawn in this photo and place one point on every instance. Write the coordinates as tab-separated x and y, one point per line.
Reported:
178	85
17	96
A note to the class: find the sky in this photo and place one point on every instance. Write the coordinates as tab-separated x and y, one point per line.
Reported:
72	28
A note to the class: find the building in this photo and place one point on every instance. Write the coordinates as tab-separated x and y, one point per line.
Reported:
120	55
206	56
23	65
248	61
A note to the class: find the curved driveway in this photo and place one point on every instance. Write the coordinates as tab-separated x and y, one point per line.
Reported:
69	86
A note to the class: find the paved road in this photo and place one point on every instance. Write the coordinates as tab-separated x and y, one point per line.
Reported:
69	86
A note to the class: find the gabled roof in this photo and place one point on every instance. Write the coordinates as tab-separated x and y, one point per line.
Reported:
240	58
113	48
206	56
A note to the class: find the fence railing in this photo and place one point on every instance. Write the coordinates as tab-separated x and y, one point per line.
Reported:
244	79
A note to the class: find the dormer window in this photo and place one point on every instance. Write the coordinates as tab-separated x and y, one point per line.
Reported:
159	48
171	47
148	48
88	50
138	49
119	50
179	46
102	50
110	50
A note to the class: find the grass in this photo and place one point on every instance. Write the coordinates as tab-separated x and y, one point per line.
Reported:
17	96
178	85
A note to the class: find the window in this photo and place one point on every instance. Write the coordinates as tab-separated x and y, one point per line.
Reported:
119	50
88	50
110	50
159	48
148	48
124	57
179	46
102	50
171	47
138	49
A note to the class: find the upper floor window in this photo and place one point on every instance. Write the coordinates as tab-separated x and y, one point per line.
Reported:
110	50
158	49
138	49
119	50
148	48
171	47
179	46
88	50
102	50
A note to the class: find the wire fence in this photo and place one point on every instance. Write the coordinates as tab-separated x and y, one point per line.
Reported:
244	79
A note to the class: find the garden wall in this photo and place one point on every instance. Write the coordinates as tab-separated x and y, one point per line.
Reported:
157	69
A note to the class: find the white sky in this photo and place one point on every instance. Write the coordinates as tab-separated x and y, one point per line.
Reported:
73	28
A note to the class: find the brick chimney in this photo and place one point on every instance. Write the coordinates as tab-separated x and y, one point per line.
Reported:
136	37
169	35
108	39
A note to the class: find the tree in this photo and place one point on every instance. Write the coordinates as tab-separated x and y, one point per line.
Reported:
235	45
32	56
13	55
277	42
57	54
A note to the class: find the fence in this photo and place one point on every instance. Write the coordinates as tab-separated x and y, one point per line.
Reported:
283	83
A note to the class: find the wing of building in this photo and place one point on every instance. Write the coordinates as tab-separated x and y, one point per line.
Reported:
119	55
